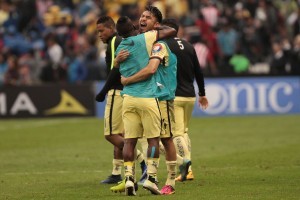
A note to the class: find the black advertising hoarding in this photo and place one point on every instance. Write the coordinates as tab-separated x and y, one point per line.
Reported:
52	100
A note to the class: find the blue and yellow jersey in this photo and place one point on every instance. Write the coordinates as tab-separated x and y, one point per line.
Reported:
140	48
167	70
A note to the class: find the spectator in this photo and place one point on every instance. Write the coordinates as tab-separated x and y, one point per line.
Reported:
204	55
240	63
255	22
295	56
210	13
279	60
3	68
11	76
228	41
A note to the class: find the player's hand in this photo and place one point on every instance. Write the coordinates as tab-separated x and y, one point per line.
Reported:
100	97
122	55
203	102
124	80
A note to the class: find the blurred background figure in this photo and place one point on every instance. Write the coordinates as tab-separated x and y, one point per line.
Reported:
295	56
58	38
279	60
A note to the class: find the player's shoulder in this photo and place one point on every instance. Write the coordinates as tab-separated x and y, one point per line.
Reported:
118	40
151	32
179	43
184	41
158	46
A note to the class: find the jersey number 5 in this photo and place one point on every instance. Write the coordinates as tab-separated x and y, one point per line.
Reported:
180	44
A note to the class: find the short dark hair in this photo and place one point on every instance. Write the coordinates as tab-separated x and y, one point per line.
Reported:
107	21
155	12
124	26
171	22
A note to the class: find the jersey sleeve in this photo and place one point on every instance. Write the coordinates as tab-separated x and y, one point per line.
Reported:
198	74
159	50
150	38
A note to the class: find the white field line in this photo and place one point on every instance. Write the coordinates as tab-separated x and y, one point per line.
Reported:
51	172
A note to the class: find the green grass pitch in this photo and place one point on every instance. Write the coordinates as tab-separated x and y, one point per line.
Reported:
254	157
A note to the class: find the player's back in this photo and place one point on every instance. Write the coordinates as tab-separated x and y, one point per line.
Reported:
138	57
137	60
167	71
186	56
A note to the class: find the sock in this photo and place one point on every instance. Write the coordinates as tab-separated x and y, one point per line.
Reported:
129	168
179	160
141	160
181	147
117	166
188	142
171	168
139	156
152	164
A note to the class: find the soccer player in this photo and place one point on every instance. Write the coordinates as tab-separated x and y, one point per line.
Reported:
141	113
188	69
163	62
113	123
145	25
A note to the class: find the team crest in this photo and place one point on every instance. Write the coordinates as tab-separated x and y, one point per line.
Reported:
156	48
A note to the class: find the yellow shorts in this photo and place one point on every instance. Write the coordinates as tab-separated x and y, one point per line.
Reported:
141	116
183	108
113	123
168	118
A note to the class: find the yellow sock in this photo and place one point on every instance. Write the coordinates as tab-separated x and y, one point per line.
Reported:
117	166
139	156
181	147
129	168
152	164
179	160
171	168
188	142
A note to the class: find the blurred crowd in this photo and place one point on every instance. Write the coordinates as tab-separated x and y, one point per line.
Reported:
56	40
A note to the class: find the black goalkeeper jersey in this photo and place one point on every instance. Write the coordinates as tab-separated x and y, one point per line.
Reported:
188	68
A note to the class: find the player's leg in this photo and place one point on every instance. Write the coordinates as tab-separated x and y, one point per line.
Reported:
168	122
113	130
178	139
188	109
178	136
142	155
141	160
129	166
133	130
151	121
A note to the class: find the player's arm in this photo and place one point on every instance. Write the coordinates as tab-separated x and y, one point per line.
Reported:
158	53
113	76
121	56
144	73
165	32
203	102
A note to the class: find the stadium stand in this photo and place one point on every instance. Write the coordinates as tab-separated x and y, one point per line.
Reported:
56	41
